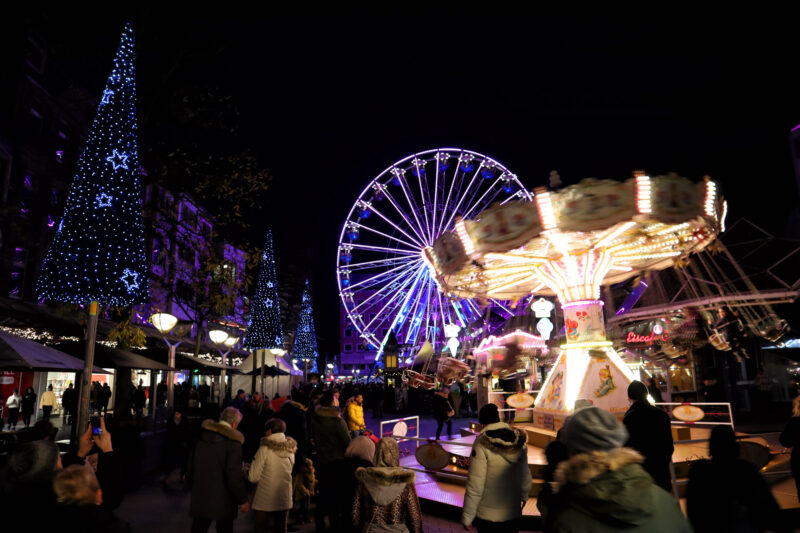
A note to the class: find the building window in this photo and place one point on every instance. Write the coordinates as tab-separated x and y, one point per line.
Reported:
360	347
348	348
184	291
348	332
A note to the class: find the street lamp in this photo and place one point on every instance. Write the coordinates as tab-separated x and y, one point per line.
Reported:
164	322
222	338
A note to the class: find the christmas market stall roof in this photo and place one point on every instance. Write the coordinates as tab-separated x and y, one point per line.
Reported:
250	367
17	353
110	357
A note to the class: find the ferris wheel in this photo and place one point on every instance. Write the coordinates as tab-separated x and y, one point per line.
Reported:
384	283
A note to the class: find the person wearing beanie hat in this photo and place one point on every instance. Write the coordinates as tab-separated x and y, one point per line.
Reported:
499	480
650	433
602	487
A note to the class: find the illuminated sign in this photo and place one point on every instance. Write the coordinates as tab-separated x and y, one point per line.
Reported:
656	335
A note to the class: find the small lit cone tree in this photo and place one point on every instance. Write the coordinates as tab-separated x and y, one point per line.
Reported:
98	252
265	331
305	340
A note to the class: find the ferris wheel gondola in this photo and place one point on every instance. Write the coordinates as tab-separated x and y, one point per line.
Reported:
385	284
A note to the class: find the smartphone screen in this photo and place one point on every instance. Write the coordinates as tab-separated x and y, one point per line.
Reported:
96	429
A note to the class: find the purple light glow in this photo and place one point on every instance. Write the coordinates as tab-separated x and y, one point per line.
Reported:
796	127
583	302
50	221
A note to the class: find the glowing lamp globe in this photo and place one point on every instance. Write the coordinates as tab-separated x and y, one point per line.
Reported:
230	341
218	336
163	322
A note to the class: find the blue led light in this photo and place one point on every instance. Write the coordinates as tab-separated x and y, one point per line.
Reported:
103	200
118	160
487	173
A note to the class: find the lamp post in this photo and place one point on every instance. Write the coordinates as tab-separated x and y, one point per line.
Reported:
164	322
222	339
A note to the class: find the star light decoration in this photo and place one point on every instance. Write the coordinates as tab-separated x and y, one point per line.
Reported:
265	330
107	94
118	160
104	200
98	251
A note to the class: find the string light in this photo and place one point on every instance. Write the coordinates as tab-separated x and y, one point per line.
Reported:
264	330
98	252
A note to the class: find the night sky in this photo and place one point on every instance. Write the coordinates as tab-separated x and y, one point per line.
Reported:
328	100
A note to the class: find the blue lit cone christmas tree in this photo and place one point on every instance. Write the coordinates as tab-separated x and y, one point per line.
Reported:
265	332
305	340
98	252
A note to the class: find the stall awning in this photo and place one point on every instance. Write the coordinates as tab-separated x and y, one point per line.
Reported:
109	357
17	353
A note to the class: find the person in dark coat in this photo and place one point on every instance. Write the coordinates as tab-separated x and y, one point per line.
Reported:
650	434
26	486
28	406
139	399
105	397
360	453
726	493
215	474
294	414
790	438
68	403
178	442
443	411
331	438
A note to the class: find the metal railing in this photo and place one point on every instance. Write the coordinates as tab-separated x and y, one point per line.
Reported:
401	438
671	405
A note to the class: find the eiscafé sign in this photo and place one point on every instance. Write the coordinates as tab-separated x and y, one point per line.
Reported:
656	334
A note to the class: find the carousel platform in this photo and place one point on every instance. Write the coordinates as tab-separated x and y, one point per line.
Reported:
446	486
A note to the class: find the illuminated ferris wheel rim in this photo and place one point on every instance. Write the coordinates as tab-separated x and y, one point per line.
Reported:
407	257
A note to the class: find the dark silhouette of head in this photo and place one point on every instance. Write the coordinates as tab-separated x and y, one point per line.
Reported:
637	391
327	399
488	414
722	445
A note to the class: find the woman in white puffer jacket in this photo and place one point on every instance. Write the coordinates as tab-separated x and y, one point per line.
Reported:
272	470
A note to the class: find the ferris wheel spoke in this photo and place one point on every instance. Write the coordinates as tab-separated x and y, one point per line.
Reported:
367	283
501	306
400	317
428	298
425	197
380	262
435	209
390	302
412	205
410	224
391	237
395	226
476	204
389	287
369	247
458	312
461	199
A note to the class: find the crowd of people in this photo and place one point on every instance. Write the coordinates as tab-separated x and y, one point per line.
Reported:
307	456
295	449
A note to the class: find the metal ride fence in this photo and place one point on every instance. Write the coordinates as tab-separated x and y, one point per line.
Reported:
699	413
400	428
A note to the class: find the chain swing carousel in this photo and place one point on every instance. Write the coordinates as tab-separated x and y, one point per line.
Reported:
567	243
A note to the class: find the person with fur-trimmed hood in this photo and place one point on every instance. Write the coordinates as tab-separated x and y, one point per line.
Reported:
386	499
603	486
272	470
499	479
215	474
